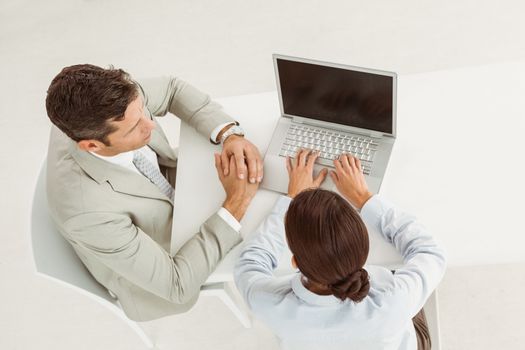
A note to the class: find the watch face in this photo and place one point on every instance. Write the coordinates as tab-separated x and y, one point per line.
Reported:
237	130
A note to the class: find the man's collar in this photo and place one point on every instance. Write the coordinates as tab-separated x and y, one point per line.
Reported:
119	159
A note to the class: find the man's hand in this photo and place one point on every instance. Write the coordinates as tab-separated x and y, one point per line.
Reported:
241	149
301	173
350	181
239	193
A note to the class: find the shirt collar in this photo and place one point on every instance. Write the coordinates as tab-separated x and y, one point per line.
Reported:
311	298
123	159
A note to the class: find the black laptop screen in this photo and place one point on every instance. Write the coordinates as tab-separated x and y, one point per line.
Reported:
336	95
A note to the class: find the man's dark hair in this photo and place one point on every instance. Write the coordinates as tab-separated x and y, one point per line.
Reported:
82	99
329	242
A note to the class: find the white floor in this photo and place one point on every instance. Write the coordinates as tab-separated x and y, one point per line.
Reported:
224	48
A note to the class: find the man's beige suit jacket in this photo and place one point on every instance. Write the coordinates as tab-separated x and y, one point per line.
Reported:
119	223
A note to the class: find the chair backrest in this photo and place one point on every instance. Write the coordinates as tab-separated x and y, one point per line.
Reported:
53	255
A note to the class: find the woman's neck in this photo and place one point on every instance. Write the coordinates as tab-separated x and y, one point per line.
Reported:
316	288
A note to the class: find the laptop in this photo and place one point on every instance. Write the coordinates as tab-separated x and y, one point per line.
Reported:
332	108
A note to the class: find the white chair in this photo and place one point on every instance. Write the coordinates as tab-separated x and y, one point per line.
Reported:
228	294
55	259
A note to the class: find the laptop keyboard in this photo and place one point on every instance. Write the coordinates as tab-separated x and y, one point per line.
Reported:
330	144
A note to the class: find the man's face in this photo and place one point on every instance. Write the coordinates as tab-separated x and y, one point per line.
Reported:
133	132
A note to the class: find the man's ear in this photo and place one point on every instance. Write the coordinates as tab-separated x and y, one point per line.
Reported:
90	145
294	263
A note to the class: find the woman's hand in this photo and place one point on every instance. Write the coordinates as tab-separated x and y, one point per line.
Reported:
301	173
350	181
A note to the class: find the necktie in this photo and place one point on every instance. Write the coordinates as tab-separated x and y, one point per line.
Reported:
153	174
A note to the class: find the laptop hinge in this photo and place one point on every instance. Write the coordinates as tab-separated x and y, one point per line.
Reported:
376	134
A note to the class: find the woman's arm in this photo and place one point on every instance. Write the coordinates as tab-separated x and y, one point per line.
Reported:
261	253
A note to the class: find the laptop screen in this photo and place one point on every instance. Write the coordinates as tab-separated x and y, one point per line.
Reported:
337	95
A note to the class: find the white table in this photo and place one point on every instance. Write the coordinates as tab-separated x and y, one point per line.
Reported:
199	194
457	165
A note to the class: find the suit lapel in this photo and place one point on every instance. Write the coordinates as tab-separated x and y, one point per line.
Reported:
159	143
121	179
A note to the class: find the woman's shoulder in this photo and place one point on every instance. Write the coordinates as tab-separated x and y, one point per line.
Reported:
381	280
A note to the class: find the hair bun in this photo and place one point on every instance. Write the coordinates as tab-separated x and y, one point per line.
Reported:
354	287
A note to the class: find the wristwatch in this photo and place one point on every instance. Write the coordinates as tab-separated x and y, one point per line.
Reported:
234	130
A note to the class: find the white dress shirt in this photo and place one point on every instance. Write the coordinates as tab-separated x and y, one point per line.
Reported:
302	319
125	159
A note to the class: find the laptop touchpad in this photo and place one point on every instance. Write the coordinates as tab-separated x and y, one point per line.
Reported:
328	183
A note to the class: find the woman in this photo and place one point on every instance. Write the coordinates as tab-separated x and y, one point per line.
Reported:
335	301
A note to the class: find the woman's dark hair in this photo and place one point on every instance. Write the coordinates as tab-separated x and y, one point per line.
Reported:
83	98
329	242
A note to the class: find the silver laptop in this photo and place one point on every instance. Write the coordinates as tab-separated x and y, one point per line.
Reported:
332	108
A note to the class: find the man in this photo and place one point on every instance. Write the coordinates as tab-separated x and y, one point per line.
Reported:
111	177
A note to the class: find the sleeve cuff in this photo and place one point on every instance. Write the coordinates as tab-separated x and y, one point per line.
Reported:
230	220
215	132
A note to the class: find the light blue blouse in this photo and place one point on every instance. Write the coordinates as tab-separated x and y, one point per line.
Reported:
304	320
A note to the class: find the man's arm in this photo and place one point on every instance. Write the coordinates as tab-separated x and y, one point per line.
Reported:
116	242
261	253
170	94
